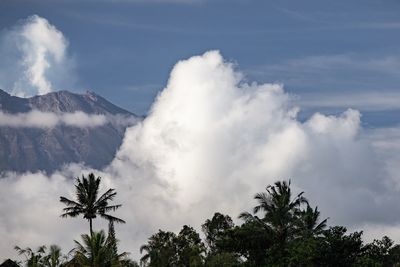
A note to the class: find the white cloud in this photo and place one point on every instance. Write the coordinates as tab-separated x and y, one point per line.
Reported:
210	142
34	58
337	81
390	25
310	69
365	100
122	120
30	211
39	119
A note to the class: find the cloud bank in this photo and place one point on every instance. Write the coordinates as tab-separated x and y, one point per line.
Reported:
209	143
40	119
34	58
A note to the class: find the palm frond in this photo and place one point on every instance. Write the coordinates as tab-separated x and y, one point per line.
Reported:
246	216
69	202
109	208
88	203
72	214
107	196
111	218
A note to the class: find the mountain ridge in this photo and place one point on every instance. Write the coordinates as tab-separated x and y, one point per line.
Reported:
60	101
48	149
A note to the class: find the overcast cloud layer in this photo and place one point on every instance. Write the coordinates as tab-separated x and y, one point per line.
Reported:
209	143
34	59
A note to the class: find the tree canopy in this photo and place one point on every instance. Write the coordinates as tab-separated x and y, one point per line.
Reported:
283	229
88	203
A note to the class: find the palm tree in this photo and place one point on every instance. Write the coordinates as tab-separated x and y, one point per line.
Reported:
96	251
111	239
281	213
54	257
215	228
309	224
160	251
33	258
88	204
93	251
149	254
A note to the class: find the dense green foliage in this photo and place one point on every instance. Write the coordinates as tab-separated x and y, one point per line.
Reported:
95	249
168	249
282	230
88	203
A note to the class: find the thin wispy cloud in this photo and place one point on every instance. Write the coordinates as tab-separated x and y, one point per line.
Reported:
129	23
382	25
366	100
144	87
338	80
39	119
119	21
329	63
298	15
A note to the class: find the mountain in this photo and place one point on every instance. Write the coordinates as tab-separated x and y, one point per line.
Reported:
48	149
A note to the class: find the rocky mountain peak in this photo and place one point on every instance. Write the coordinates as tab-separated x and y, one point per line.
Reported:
91	95
33	149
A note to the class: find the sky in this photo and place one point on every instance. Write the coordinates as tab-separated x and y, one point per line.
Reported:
237	94
332	54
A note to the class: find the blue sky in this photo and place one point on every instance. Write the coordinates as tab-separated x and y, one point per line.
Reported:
331	54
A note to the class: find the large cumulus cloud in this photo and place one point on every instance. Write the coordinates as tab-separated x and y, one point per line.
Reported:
209	143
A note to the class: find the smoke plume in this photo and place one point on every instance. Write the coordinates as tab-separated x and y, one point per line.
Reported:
34	58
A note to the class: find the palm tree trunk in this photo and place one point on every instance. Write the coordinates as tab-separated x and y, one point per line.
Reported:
91	227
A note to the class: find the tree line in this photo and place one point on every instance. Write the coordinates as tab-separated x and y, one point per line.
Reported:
283	229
